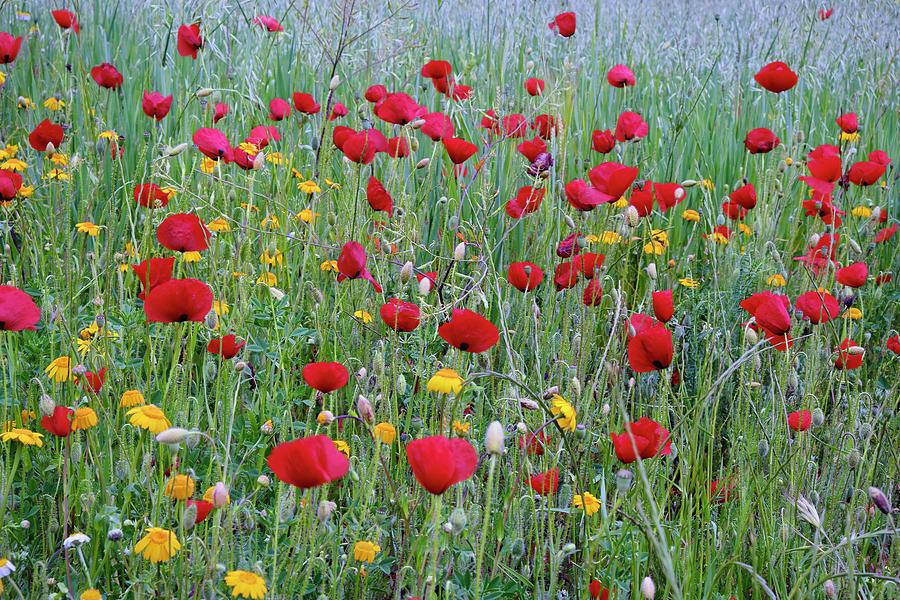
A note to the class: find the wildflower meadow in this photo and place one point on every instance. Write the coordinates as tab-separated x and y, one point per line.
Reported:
439	299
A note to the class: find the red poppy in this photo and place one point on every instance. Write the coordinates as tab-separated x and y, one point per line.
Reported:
848	122
761	141
305	103
545	483
308	462
469	331
221	111
225	346
776	77
459	150
545	125
853	275
642	199
45	133
107	76
531	149
722	491
159	269
593	293
668	195
437	126
325	376
378	197
183	232
9	48
376	93
269	24
460	92
631	126
745	196
893	344
66	19
352	264
399	109
150	195
564	24
213	144
818	307
603	141
800	420
534	444
565	276
177	301
156	105
824	14
883	278
663	305
845	359
400	315
203	509
189	40
17	310
770	312
583	196
439	462
885	233
60	422
92	382
279	109
649	437
261	135
588	263
489	121
10	183
442	85
397	147
242	159
527	200
514	126
867	172
534	87
524	276
651	349
360	147
612	179
620	76
436	69
597	591
337	111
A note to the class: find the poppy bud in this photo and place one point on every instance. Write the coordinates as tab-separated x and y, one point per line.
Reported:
864	432
829	589
364	409
324	510
212	319
400	384
762	450
689	183
624	479
406	272
326	417
459	252
606	408
679	194
818	417
115	535
177	149
879	500
529	66
551	391
423	163
855	350
720	220
335	81
47	405
79	370
528	404
567	549
494	438
651	270
576	384
240	366
632	217
751	336
569	222
259	161
220	495
853	458
204	92
172	436
189	516
263	480
458	520
814	239
51	149
648	588
517	550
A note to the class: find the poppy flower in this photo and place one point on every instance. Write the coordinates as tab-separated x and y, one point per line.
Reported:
220	112
603	141
588	263
308	462
17	310
279	109
564	24
800	420
524	276
225	346
531	149
439	462
597	591
545	125
340	135
436	69
620	76
399	109
527	200
359	148
651	349
91	381
376	93
745	196
60	422
663	305
545	483
156	105
189	40
150	195
397	147
514	126
642	199
568	247
213	144
400	315
776	77
722	491
867	172
648	437
337	111
565	276
824	164
66	19
893	344
845	359
668	195
437	126
45	133
818	307
305	103
268	23
631	126
534	87
761	141
460	92
885	233
203	509
469	331
593	293
10	183
183	232
153	272
848	123
177	301
352	264
325	376
583	196
770	312
853	275
378	197
261	135
612	179
107	76
9	48
459	150
824	14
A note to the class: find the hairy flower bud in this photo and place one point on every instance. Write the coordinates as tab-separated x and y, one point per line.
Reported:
364	409
494	438
46	405
879	500
648	588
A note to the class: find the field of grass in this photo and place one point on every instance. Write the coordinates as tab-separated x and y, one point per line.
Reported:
405	409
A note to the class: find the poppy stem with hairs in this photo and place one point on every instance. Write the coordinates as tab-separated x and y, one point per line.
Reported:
7	486
484	527
436	504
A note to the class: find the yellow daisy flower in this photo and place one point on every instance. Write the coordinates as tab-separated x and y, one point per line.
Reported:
159	545
180	487
445	381
688	282
131	398
776	280
23	436
588	502
88	228
59	369
363	316
566	413
385	433
246	584
218	225
307	216
365	551
149	417
54	104
309	187
84	418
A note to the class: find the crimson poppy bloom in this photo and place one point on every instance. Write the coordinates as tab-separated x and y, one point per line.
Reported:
459	150
9	48
824	164
378	197
886	233
305	103
156	105
631	126
545	125
436	69
612	179
489	121
10	183
337	111
183	232
437	126
776	77
568	247
800	420
439	462
189	40
565	276
648	437
400	315
588	263
177	301
17	310
153	272
278	109
770	311
203	509
92	382
524	276
376	93
225	346
545	483
597	591
882	279
642	199
399	109
893	344
583	196
213	144
534	87
261	135
564	24
603	141
534	444
818	307
360	148
352	264
107	76
45	133
325	376
221	111
460	92
824	14
527	200
150	195
531	149
848	123
663	305
514	126
66	19
593	293
722	491
651	349
845	359
620	76
867	172
268	23
853	275
308	462
469	331
398	147
745	196
761	140
60	422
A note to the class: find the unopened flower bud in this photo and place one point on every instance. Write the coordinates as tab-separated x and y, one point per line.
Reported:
762	449
648	588
417	124
189	517
651	270
335	81
324	510
115	535
364	409
879	500
458	520
459	252
830	591
172	435
818	417
720	220
47	405
240	366
212	319
259	161
624	479
325	417
853	458
551	391
204	92
220	496
494	438
25	524
406	272
79	370
423	163
632	217
689	183
263	480
177	149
